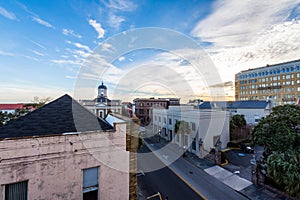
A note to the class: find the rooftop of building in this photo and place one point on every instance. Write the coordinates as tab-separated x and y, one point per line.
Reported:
272	65
247	104
158	99
63	115
12	106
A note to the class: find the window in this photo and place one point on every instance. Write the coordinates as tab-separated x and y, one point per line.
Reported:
16	191
170	121
193	126
256	118
90	184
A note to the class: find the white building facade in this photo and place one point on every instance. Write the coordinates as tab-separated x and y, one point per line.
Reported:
102	105
253	110
207	127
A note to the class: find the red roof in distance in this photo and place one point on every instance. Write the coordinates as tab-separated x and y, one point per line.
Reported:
5	106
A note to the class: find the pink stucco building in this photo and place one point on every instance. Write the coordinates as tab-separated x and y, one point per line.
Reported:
53	154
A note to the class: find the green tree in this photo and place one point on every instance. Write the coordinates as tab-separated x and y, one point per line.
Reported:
237	121
37	103
279	134
182	128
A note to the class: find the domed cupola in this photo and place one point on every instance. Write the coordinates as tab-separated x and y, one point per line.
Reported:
102	90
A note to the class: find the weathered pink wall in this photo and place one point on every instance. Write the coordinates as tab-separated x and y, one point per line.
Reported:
54	167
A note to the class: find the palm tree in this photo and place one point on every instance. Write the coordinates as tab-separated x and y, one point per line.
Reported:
182	128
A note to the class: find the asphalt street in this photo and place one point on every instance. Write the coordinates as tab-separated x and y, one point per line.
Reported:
163	180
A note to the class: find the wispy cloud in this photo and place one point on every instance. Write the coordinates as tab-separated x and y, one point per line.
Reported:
70	32
35	17
249	34
115	21
7	14
121	58
2	53
97	26
37	44
38	53
236	23
80	46
123	5
42	22
66	61
70	77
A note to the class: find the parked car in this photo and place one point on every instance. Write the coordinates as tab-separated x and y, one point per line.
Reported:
241	146
246	149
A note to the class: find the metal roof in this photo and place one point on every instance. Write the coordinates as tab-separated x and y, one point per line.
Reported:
247	104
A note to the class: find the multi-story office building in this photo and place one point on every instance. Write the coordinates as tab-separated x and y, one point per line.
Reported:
144	106
280	81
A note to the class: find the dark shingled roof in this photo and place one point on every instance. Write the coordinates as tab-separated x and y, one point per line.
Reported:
248	104
54	118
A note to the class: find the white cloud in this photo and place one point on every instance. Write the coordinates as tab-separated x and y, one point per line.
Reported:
42	22
115	21
123	5
81	46
8	15
38	53
121	58
249	34
2	53
106	47
66	61
70	77
70	32
97	27
236	23
38	44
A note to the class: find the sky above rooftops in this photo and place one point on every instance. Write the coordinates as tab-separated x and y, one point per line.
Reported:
45	43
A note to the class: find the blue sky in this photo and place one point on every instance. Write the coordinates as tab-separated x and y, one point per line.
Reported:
44	43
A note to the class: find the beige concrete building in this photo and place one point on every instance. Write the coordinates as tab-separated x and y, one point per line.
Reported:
62	151
280	81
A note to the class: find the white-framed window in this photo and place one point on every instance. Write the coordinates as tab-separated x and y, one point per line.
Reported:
90	184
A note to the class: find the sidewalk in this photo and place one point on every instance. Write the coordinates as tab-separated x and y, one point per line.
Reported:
241	185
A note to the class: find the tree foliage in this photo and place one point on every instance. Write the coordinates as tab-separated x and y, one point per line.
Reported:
182	127
279	134
237	121
37	103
